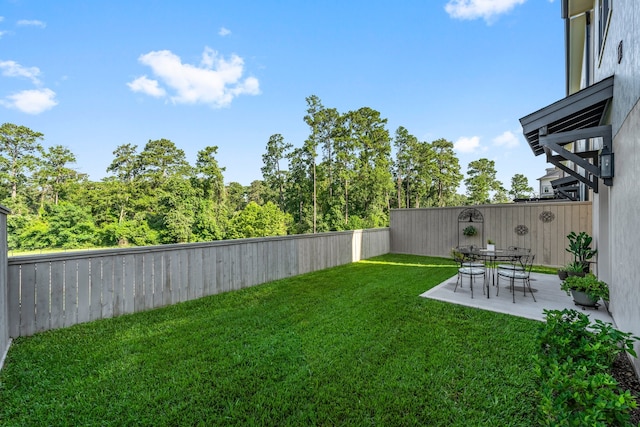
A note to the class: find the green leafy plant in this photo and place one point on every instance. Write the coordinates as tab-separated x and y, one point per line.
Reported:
470	231
490	242
573	363
580	247
575	268
589	284
456	255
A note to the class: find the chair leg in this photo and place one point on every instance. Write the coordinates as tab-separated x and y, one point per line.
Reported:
530	290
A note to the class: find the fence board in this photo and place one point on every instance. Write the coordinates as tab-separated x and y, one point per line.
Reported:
108	300
43	295
95	289
57	295
128	284
148	280
70	292
13	300
84	297
138	284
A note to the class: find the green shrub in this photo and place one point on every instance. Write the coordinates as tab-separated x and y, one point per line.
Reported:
573	364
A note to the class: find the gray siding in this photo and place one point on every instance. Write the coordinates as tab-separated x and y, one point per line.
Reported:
5	339
616	208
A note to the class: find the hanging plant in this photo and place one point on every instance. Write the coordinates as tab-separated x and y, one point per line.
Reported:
470	231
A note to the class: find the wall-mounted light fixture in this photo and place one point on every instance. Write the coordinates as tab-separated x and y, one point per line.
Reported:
606	163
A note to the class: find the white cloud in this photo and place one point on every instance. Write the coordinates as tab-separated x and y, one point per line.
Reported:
147	86
13	69
2	33
215	82
473	9
467	144
507	139
224	31
31	23
1	18
33	101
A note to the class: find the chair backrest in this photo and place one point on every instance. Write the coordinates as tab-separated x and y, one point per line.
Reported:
457	255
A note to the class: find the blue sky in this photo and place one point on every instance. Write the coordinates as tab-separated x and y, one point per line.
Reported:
92	75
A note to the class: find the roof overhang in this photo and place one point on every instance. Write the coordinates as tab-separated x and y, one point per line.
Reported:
578	116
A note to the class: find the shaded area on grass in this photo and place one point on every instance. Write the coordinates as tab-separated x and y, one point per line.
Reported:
351	345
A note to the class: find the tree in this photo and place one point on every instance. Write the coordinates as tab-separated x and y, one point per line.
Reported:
481	180
298	188
209	174
374	185
54	174
274	177
161	159
446	173
258	221
236	196
127	168
310	147
405	145
212	210
520	188
18	148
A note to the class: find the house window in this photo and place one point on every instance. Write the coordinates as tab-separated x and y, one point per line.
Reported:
603	23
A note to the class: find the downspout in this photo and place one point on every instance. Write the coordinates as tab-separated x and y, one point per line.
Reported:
588	49
564	12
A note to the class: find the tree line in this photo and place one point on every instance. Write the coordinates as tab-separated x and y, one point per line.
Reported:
343	176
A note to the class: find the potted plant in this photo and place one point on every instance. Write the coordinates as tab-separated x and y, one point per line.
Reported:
575	268
491	245
563	273
470	231
580	247
586	290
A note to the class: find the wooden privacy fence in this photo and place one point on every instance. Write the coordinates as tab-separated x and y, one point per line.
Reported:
543	227
62	289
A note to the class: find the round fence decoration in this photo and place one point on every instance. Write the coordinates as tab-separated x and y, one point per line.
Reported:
547	216
521	230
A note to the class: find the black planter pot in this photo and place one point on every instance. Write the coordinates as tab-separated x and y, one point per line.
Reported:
563	274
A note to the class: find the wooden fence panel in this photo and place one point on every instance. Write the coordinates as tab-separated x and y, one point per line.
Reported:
540	226
62	289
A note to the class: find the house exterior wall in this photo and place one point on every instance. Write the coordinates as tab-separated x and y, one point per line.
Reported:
615	209
4	317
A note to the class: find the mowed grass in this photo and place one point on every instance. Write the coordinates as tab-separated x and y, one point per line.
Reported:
352	345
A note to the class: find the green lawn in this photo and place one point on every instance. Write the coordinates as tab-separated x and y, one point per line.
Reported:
352	345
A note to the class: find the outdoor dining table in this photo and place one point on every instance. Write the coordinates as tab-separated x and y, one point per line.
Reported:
491	258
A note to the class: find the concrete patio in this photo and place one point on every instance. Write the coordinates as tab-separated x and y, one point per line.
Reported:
546	288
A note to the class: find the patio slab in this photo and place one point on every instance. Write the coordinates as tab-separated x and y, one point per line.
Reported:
546	288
